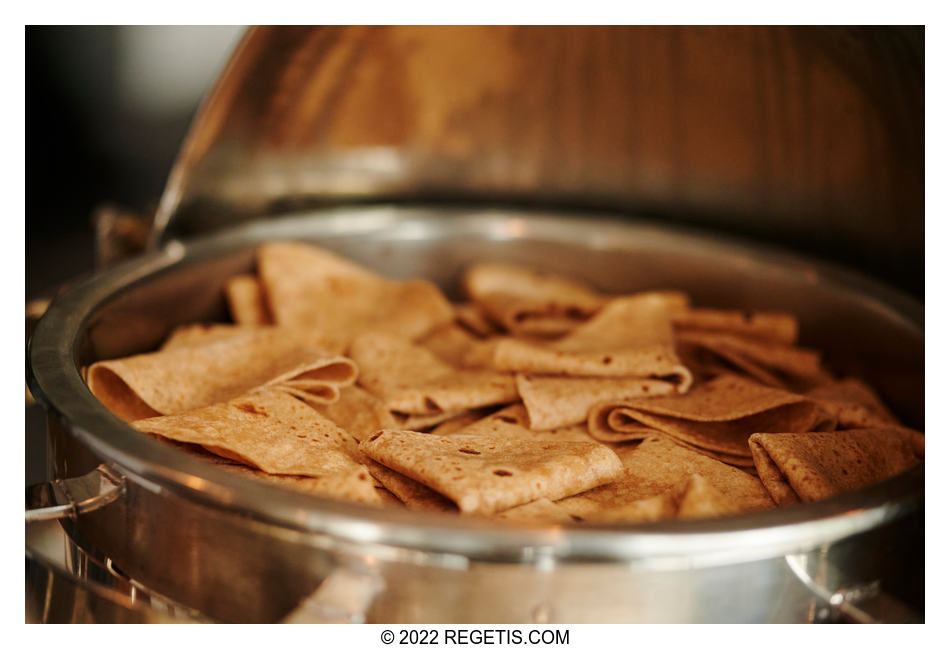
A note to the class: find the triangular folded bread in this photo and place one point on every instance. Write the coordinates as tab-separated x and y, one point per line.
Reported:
853	403
411	380
358	412
267	429
718	416
490	474
537	511
513	423
774	364
701	499
642	510
414	495
191	376
657	468
554	401
247	301
473	320
811	466
454	345
202	334
459	422
630	336
773	327
309	286
528	302
354	484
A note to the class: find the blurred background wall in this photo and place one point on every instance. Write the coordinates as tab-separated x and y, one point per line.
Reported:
106	111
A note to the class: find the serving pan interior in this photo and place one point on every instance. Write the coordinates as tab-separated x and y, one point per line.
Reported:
863	329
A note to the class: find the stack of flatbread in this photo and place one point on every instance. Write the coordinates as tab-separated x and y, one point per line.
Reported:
538	400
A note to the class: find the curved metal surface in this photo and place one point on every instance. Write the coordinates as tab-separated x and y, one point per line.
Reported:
74	496
388	237
811	134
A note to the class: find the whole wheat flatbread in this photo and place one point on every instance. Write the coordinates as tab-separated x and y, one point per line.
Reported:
658	468
267	429
537	511
718	416
700	499
630	336
644	510
459	422
203	334
355	486
773	327
247	301
770	363
411	380
513	423
358	412
528	302
853	403
811	466
414	495
182	378
309	286
555	401
474	321
488	475
456	346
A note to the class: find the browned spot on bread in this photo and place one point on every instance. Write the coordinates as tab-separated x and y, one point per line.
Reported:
251	408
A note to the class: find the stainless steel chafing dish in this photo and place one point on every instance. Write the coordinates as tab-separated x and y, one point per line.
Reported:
206	544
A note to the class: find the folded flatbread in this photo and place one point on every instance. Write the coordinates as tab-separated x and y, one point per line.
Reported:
658	468
202	334
458	422
774	364
630	337
267	429
513	423
414	495
853	403
490	474
247	301
473	320
185	377
356	485
811	466
455	345
411	380
555	401
773	327
701	499
527	302
717	416
644	510
358	412
312	287
537	511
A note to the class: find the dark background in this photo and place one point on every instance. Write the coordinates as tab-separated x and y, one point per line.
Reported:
106	111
